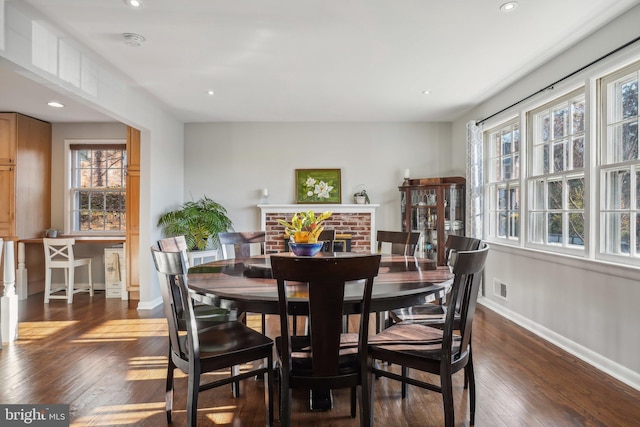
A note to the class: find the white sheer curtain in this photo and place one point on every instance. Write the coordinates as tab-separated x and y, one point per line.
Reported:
475	180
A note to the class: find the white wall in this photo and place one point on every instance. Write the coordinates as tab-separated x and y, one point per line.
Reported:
231	162
587	307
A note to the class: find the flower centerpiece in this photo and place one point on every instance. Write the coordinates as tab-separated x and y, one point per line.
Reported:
305	227
303	232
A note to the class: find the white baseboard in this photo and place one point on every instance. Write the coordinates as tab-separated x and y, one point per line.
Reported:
149	305
596	360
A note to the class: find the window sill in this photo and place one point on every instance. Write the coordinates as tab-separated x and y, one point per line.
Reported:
599	266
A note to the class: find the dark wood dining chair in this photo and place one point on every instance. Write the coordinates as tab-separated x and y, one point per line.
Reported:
402	242
434	312
433	350
199	351
242	243
327	236
326	358
245	244
205	313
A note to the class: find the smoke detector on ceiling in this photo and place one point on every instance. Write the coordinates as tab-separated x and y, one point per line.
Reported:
133	39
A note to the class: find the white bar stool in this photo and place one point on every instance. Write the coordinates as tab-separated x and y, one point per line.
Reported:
58	253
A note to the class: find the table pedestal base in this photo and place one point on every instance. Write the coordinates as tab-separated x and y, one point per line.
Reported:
320	400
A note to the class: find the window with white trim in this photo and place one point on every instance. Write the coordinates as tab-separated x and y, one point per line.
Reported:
556	184
619	166
504	181
97	188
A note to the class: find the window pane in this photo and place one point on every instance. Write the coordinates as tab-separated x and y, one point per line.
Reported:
537	195
559	156
560	122
638	234
555	228
506	142
502	199
506	168
578	153
638	189
84	159
516	166
617	231
541	159
84	221
617	189
576	193
516	139
514	224
555	195
629	98
502	224
83	200
545	129
576	229
577	122
536	220
630	141
97	201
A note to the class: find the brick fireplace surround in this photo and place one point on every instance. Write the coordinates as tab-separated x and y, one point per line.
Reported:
357	220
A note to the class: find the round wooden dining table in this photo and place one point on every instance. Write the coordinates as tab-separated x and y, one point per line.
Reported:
246	285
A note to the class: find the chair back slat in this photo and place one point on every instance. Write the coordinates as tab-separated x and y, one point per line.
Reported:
242	243
402	242
58	251
326	278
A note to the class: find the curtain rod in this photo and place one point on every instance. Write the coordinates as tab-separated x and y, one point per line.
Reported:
550	86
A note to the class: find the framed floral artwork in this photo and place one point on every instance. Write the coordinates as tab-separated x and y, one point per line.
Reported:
318	186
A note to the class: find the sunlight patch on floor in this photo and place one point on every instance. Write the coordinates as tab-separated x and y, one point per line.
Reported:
31	331
125	330
131	414
220	414
147	368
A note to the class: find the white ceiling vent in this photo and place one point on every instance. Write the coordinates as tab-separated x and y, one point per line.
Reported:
132	39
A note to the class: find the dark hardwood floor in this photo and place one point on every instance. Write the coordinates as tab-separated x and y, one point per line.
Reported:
108	362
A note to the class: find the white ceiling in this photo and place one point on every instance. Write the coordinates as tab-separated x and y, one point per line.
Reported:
318	60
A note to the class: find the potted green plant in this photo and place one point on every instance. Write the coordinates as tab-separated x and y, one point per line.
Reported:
199	221
361	197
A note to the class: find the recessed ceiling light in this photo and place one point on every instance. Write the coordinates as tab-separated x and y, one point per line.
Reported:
132	39
133	3
426	92
509	6
55	104
210	92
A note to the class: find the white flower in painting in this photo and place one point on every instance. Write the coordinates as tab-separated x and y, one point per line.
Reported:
322	190
309	193
310	182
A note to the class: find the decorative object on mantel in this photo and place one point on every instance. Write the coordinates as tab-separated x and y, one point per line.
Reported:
199	221
305	227
360	196
265	196
318	186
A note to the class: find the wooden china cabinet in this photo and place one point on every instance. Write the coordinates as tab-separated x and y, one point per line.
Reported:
434	207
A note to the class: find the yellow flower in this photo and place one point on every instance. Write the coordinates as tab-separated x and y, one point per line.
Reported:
305	227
